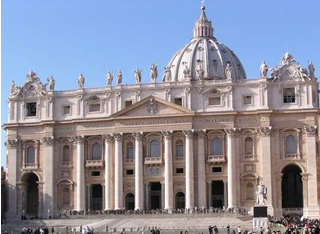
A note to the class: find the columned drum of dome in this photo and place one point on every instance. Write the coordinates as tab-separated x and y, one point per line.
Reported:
204	137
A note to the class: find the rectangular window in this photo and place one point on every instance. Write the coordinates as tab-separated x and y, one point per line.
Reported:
179	170
216	169
289	95
66	110
31	109
129	172
247	100
214	101
128	103
95	173
178	101
94	107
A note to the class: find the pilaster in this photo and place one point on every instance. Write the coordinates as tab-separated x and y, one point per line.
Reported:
107	171
202	191
118	174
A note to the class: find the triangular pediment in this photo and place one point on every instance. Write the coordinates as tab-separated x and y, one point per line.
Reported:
153	106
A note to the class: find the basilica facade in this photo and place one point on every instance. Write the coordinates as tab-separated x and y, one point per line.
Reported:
205	136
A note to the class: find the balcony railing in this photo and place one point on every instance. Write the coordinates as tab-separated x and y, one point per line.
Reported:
179	158
153	160
129	160
216	158
30	165
66	164
94	163
250	157
292	156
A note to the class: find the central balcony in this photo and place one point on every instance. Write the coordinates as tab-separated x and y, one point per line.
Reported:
94	163
152	160
216	159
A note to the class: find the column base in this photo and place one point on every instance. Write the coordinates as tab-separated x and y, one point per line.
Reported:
270	210
312	211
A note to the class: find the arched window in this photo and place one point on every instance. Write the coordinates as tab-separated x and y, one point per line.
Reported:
216	146
248	146
155	148
250	191
30	155
130	150
66	153
66	196
96	151
291	145
179	149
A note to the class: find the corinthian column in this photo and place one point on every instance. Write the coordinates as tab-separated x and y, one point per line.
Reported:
81	189
189	169
266	162
118	185
232	185
313	203
48	173
202	201
138	157
107	171
12	149
168	179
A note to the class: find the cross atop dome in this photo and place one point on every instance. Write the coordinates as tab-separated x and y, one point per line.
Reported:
203	26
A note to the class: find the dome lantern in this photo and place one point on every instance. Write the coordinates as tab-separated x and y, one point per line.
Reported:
203	27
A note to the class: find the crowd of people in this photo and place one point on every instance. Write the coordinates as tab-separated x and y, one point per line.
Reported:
38	230
195	210
296	224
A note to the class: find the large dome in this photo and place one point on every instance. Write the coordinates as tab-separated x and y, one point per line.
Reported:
204	57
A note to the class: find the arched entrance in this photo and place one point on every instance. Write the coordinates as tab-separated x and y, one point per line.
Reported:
130	201
96	201
32	193
180	200
292	191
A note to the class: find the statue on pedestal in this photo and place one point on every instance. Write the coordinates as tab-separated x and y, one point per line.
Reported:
81	81
153	73
137	75
119	77
228	71
261	194
167	75
51	83
311	70
109	78
263	70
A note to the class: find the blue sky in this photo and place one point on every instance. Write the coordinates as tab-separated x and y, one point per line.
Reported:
64	38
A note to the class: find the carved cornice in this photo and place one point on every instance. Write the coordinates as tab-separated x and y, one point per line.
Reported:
107	137
12	143
188	133
138	135
310	130
167	134
304	176
230	131
78	139
264	131
47	140
118	136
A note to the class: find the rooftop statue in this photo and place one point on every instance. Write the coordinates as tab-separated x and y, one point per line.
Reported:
109	78
137	75
153	73
166	75
263	70
228	71
186	72
81	81
51	83
261	194
311	70
119	77
12	88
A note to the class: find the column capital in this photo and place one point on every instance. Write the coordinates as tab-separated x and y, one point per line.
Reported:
310	130
167	134
78	139
138	135
264	131
201	133
188	133
304	176
107	137
230	131
118	136
12	143
48	140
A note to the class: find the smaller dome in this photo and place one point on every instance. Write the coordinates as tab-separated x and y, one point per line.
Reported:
204	57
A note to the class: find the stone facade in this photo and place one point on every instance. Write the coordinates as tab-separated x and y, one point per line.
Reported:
204	137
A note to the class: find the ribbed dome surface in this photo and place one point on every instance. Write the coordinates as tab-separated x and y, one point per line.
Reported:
204	57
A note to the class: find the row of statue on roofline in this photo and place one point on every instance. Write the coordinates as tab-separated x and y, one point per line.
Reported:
287	60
